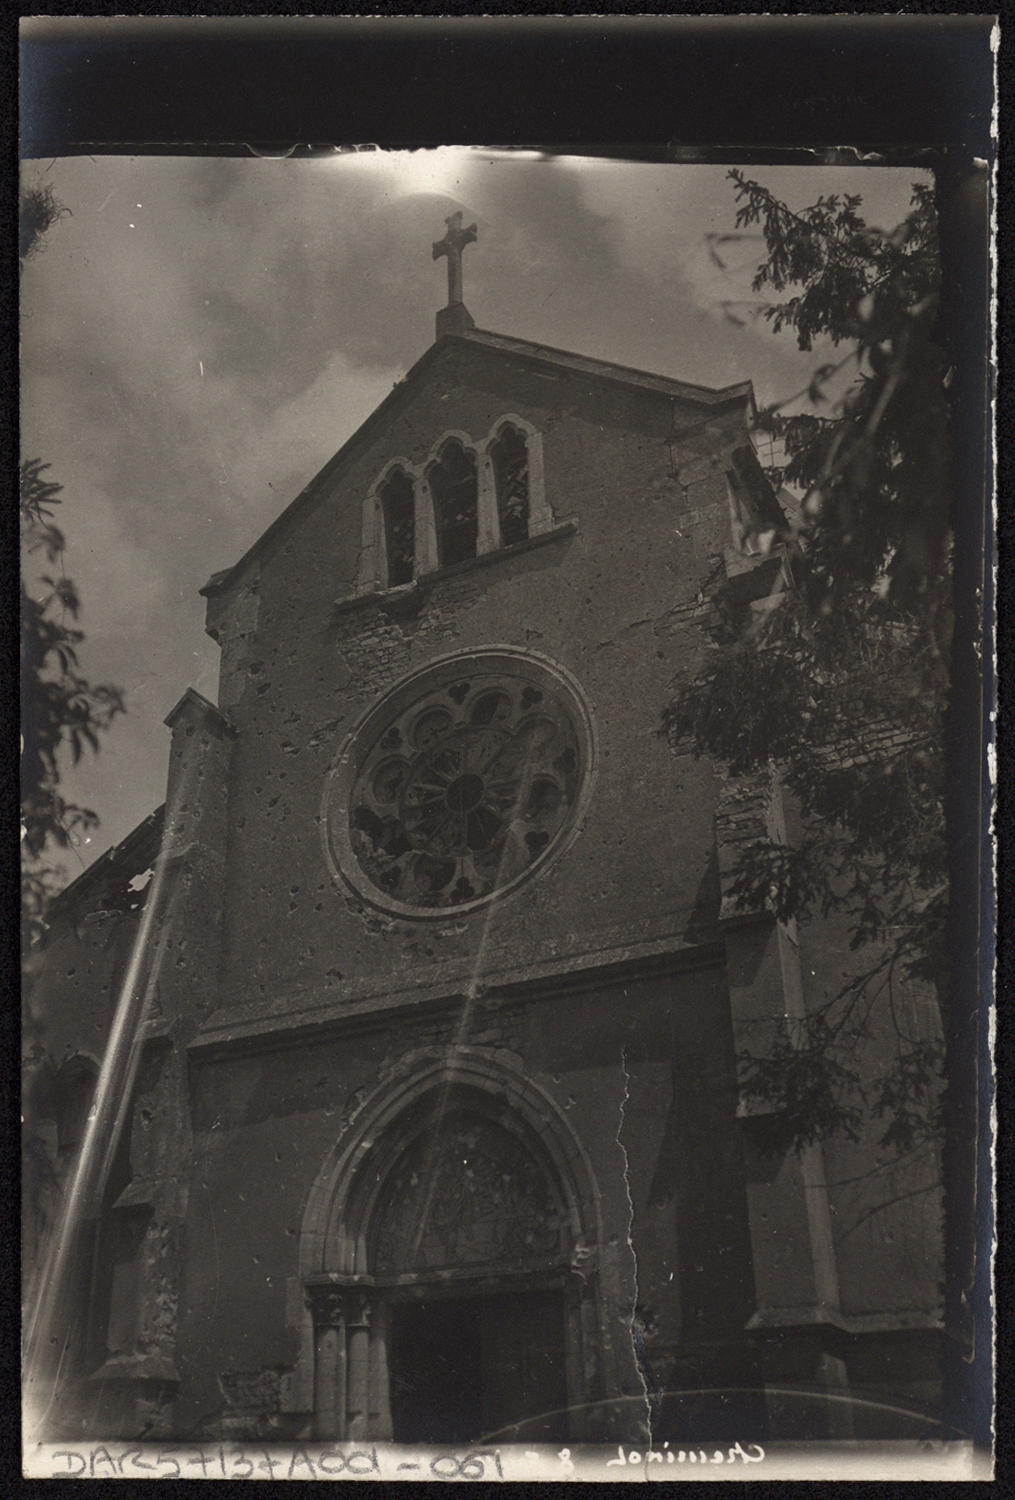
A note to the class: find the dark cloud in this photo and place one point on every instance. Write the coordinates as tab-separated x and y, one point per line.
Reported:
549	206
210	182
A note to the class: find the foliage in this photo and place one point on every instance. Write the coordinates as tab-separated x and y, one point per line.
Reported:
38	211
61	711
841	688
875	472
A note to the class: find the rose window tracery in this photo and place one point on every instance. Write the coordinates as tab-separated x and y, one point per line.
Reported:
463	787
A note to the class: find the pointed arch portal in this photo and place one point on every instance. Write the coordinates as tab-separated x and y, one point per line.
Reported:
449	1261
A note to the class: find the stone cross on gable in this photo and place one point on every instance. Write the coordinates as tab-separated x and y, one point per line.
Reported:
452	245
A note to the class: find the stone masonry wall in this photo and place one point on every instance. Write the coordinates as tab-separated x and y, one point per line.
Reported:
628	1064
613	603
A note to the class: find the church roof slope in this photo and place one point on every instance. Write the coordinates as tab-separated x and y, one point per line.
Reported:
607	370
109	878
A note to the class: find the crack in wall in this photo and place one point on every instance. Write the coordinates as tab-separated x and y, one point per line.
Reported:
656	621
637	1355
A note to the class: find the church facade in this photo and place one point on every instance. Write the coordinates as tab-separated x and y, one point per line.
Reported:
432	1130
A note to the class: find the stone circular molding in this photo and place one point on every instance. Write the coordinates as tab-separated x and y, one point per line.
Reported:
460	782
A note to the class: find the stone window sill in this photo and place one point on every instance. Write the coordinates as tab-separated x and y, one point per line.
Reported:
408	595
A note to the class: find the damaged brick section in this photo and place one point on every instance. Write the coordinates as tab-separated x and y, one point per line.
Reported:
252	1406
374	650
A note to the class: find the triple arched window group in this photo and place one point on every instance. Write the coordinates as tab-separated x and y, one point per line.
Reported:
467	499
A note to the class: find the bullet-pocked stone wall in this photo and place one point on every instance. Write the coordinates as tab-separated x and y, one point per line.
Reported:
288	1000
613	602
632	1066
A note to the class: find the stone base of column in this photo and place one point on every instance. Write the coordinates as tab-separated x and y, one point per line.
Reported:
133	1397
819	1382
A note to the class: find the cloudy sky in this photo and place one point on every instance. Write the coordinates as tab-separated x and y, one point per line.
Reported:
201	334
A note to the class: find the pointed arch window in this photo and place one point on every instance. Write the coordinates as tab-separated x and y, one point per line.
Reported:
463	502
454	486
398	508
510	455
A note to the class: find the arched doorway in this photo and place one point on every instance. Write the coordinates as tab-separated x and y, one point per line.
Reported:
450	1268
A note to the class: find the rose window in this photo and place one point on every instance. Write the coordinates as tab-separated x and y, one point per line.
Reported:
463	786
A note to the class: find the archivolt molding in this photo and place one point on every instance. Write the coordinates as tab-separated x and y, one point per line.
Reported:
333	1249
373	567
338	1213
540	512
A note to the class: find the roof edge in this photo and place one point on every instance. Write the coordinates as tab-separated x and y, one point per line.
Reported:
219	582
106	864
197	702
605	369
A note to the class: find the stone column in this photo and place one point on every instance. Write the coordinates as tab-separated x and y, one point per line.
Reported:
373	564
380	1394
795	1271
488	534
583	1347
329	1371
426	529
540	510
358	1392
